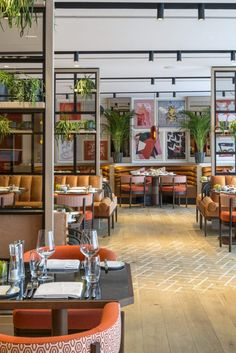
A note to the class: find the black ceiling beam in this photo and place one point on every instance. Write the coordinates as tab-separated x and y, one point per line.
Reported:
60	52
141	5
157	78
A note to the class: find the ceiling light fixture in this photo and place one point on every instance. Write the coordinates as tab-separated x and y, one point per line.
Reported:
232	55
157	94
179	55
67	96
152	81
114	95
201	12
160	11
76	56
174	94
173	81
223	93
151	56
233	80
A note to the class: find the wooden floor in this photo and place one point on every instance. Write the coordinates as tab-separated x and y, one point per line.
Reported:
185	285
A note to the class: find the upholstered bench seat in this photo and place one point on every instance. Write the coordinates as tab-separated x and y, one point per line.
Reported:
30	204
209	210
106	209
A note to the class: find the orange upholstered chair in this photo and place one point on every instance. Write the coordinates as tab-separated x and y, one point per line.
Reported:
84	202
175	186
7	199
227	215
133	185
106	334
38	322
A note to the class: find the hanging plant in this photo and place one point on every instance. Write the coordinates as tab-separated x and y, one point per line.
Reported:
85	87
232	128
19	13
65	128
5	128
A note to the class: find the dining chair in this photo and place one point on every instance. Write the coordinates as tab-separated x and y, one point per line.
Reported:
133	185
83	203
105	337
175	185
227	216
38	322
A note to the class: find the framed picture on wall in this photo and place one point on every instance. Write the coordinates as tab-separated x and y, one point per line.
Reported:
169	112
69	107
225	104
89	150
64	152
144	109
145	148
176	145
225	148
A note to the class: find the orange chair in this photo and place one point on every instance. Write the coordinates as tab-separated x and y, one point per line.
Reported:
7	199
175	186
227	216
84	202
133	185
38	322
106	334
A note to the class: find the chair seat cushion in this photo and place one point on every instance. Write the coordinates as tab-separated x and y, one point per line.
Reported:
225	216
88	215
171	188
33	204
134	188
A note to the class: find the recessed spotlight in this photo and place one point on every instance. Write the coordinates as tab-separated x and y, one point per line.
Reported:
160	11
201	12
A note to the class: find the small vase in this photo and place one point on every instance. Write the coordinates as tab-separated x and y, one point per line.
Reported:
117	157
199	157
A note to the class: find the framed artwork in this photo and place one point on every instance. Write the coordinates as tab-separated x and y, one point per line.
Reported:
64	152
69	107
169	112
176	145
225	104
225	148
144	109
225	119
145	148
89	150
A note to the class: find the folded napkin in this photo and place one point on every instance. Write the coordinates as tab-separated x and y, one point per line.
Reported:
63	264
4	289
59	290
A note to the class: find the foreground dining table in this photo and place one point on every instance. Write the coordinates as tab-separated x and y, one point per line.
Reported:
116	285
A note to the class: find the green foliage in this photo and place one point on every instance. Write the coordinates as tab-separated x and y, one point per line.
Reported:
232	128
23	90
199	127
85	87
5	128
65	128
19	13
118	126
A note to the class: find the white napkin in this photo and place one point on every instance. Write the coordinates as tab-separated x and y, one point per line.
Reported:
4	289
63	264
113	264
59	290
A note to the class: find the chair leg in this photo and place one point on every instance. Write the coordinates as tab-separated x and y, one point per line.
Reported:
116	214
179	200
230	238
112	221
109	225
220	234
186	201
205	226
200	221
173	200
95	347
161	199
130	199
122	345
196	214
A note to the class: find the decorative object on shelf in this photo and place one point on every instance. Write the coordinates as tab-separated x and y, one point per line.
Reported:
19	13
176	145
170	112
199	127
232	128
89	125
85	87
118	126
26	89
144	109
5	128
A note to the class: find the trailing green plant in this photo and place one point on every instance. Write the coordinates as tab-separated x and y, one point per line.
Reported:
5	128
199	127
23	90
64	129
118	126
85	86
19	13
232	128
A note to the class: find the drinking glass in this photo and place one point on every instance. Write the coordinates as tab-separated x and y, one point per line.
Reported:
45	248
92	269
36	264
3	272
89	243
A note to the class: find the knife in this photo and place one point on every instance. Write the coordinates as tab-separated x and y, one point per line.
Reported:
106	266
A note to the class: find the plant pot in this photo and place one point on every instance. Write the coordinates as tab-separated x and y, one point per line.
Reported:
117	157
3	93
199	157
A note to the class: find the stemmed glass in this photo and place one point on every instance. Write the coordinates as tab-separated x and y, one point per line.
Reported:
45	248
89	243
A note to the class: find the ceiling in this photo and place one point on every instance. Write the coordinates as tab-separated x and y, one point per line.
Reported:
129	29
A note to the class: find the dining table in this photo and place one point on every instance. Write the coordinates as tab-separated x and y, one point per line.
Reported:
114	285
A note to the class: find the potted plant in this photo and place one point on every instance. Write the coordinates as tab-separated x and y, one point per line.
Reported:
85	87
5	128
199	127
18	13
232	128
118	126
65	128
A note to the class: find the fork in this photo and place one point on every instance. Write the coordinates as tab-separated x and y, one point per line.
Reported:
35	285
28	288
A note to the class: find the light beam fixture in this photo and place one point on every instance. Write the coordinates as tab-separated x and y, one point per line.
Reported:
157	94
173	81
76	56
223	93
174	94
114	95
160	11
232	55
152	81
179	55
201	12
151	56
67	96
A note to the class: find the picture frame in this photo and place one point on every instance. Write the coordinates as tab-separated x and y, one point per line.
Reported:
89	150
169	112
68	107
145	148
144	113
64	152
176	145
226	145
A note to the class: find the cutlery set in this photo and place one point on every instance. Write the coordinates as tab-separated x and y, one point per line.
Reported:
92	292
30	289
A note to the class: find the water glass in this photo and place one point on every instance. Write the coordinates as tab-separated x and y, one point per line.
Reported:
92	269
36	264
89	243
45	248
3	272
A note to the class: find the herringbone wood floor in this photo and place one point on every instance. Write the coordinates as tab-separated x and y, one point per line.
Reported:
185	285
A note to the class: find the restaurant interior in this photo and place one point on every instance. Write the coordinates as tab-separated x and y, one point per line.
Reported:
117	176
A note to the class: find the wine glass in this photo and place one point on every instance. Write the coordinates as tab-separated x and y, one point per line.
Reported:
89	243
45	248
